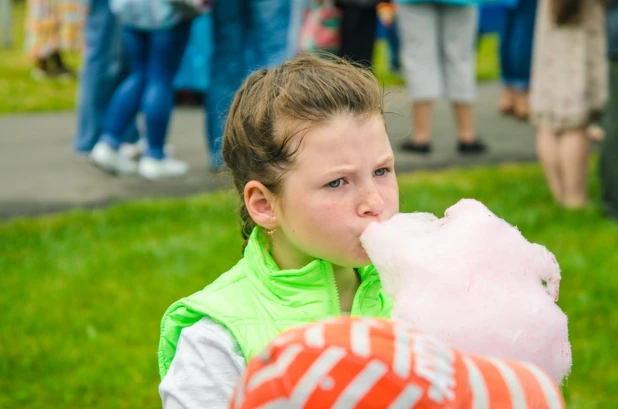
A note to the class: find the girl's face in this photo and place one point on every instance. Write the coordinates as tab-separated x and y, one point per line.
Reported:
343	179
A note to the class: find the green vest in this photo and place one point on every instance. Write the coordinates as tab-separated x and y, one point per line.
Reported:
256	301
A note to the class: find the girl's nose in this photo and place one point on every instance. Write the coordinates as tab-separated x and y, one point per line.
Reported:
371	202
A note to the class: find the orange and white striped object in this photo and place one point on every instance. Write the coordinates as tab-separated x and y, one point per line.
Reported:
359	363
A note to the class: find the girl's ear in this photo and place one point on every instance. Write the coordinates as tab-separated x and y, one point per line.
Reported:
260	204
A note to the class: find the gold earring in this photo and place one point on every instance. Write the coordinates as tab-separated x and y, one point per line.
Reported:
271	232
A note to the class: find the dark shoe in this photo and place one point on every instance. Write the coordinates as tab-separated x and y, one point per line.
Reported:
189	98
42	71
474	147
60	69
409	146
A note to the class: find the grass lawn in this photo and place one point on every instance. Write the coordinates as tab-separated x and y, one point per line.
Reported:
19	92
83	292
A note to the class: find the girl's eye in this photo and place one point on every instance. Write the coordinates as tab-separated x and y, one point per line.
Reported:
335	183
380	172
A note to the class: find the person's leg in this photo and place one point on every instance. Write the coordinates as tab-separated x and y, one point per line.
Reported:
418	32
574	148
122	109
608	164
421	116
94	90
547	146
166	48
104	66
268	27
125	102
466	124
524	16
458	33
227	70
358	33
61	69
42	35
191	79
393	46
507	97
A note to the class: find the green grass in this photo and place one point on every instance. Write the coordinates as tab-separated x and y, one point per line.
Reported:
487	58
19	92
83	292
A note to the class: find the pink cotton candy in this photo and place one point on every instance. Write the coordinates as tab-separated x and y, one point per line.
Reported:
475	282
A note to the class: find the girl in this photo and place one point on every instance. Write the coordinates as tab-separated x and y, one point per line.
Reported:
569	88
307	147
154	35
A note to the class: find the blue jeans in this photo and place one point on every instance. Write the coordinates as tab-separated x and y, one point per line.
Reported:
393	46
154	59
248	34
516	44
104	66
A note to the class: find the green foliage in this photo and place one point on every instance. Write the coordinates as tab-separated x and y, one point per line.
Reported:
83	292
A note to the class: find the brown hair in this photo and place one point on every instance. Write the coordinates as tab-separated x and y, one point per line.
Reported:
273	106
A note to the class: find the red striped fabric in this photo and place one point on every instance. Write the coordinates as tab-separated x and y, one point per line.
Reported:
358	363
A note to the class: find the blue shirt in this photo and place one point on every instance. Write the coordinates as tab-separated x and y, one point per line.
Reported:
146	14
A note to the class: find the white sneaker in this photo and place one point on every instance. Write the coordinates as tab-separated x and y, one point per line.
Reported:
137	149
109	160
151	168
132	150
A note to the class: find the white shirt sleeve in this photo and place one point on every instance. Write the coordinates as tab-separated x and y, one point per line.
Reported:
204	371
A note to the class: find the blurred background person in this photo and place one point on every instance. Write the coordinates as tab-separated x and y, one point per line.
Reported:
104	66
609	147
248	34
516	57
320	29
298	10
52	27
359	19
155	35
438	43
387	28
569	90
193	77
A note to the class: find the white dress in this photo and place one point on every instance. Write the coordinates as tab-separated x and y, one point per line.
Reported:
569	70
